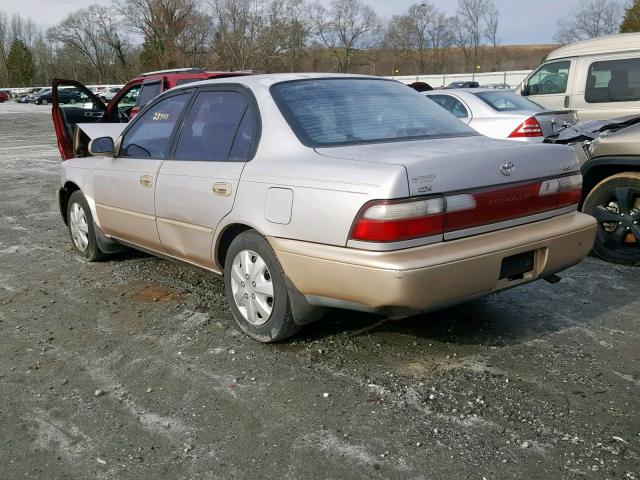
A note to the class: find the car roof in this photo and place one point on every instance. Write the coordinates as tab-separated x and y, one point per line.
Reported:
268	79
621	42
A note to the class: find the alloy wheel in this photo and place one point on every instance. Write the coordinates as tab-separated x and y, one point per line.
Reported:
252	287
79	226
619	220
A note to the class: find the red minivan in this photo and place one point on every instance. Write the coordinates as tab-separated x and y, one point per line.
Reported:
123	106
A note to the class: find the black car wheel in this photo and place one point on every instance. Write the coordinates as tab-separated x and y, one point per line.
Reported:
44	101
615	204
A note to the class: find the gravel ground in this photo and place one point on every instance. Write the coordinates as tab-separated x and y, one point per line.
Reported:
132	369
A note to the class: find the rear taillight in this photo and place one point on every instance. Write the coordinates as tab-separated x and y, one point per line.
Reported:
566	190
529	128
390	221
393	221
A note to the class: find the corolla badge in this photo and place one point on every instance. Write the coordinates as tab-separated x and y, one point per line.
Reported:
507	168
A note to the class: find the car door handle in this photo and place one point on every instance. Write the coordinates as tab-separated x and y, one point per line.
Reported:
222	188
146	180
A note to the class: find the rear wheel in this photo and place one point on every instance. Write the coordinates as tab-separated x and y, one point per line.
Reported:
81	228
615	204
256	289
44	101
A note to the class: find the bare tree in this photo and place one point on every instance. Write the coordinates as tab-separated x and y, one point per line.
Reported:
421	15
461	38
470	17
590	19
161	23
195	42
441	37
399	39
84	33
250	34
4	50
22	29
297	28
491	19
344	28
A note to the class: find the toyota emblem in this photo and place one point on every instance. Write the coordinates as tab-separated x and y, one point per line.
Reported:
507	168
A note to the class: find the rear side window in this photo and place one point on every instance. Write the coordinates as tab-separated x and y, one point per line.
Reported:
613	81
349	111
211	128
550	78
149	92
451	104
150	134
507	102
244	142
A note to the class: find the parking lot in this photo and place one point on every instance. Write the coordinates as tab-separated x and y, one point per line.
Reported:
132	368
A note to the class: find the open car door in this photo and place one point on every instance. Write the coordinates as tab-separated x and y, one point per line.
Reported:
73	104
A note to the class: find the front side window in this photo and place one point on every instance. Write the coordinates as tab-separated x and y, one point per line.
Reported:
550	78
613	81
507	101
211	127
451	104
149	92
127	102
346	111
150	134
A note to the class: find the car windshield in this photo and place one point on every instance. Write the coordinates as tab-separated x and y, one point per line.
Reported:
507	101
346	111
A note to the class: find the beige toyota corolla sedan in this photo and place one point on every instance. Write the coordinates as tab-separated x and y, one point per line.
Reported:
307	191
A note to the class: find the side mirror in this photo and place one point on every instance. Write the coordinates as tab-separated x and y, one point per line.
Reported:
525	91
101	147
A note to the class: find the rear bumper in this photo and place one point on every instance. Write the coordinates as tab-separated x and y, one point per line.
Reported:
432	276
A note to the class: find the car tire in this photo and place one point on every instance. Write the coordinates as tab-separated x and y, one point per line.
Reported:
81	228
256	290
44	101
615	204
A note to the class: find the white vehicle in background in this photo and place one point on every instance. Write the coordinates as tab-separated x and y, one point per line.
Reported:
599	78
108	93
502	114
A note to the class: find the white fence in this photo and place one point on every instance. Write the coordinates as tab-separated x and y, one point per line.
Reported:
512	78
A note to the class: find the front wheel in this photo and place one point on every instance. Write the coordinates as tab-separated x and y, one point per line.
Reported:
44	101
615	204
81	228
256	289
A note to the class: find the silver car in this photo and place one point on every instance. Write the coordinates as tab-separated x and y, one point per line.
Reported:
502	113
308	191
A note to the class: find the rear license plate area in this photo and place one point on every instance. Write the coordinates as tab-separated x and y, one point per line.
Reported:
515	266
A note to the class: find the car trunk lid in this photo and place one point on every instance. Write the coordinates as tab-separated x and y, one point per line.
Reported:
553	121
456	164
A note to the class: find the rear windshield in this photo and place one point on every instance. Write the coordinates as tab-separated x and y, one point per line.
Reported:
346	111
507	101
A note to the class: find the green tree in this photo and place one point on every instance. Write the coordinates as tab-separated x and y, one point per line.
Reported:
19	64
631	22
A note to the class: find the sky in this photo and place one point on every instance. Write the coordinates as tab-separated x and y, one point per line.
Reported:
521	21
